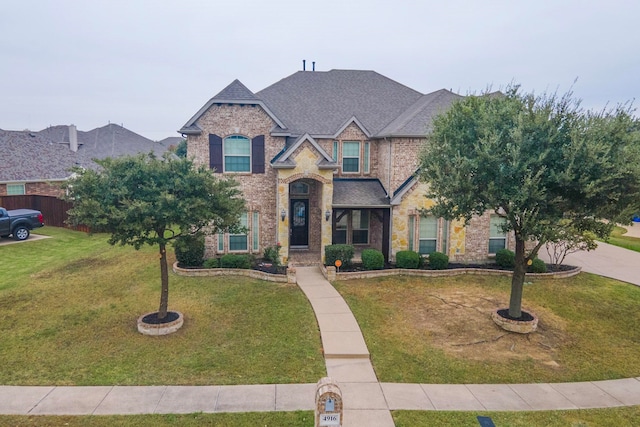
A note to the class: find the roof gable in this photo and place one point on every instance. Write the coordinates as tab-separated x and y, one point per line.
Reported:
284	160
234	93
416	120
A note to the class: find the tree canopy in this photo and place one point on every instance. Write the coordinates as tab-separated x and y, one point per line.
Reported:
148	200
535	161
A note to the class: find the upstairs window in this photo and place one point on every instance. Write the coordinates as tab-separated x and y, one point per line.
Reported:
351	156
497	235
237	154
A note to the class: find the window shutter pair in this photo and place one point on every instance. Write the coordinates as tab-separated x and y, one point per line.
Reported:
216	158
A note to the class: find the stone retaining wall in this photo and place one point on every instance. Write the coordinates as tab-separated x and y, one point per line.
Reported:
290	277
331	275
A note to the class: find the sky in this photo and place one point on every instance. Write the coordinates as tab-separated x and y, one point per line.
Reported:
151	65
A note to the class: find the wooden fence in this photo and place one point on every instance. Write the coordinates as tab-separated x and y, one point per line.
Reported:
53	209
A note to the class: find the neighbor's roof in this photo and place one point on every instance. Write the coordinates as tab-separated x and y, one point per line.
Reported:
28	156
359	193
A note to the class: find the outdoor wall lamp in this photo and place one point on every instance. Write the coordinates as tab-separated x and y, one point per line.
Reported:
327	215
283	214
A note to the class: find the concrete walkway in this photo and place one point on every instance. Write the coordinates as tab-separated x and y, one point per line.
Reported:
367	401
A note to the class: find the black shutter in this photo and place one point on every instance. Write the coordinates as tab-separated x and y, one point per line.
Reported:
257	154
215	153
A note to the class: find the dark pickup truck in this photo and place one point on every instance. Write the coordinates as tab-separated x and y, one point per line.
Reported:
19	222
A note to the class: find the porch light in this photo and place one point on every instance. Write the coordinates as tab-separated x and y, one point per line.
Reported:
327	215
283	214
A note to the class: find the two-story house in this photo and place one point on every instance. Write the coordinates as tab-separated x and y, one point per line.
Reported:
329	157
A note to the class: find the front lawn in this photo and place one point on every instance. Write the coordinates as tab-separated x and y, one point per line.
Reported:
438	330
70	305
618	238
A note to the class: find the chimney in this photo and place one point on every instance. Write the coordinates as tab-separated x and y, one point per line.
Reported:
73	138
304	65
313	66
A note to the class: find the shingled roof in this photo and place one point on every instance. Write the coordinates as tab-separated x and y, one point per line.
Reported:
27	156
359	193
320	102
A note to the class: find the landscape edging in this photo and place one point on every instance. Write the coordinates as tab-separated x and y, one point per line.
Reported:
255	274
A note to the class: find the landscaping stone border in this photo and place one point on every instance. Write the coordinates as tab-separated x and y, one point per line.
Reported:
332	275
290	277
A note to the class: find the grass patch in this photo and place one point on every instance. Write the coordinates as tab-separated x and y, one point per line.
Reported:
626	416
292	419
618	238
438	330
70	305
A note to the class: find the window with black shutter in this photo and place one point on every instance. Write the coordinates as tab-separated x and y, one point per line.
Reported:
257	154
215	153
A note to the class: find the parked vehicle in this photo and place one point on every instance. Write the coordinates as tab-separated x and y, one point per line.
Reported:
19	222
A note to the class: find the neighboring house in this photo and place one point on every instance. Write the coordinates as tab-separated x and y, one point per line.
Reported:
329	157
37	163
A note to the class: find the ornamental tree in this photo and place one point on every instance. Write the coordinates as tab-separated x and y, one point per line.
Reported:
147	200
540	162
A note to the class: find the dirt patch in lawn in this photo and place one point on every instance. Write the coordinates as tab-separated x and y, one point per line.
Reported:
459	322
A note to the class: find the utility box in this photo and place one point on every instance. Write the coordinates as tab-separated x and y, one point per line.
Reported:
329	406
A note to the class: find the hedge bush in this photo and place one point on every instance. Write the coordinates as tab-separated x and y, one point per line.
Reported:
235	261
537	266
189	250
438	261
342	252
211	263
506	258
372	259
407	259
272	254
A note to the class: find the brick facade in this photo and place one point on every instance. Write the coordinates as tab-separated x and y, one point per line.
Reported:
44	188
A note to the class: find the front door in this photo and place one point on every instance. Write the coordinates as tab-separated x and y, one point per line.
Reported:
299	222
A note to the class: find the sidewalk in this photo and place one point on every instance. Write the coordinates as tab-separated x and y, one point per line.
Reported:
367	401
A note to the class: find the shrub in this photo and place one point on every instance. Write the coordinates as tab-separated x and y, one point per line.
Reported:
372	259
438	261
211	263
537	266
272	254
506	258
189	250
235	261
407	259
342	252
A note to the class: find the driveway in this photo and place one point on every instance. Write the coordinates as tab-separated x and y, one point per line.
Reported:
32	238
608	260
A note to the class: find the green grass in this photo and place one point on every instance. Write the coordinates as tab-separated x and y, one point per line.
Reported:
262	419
618	238
590	322
70	305
627	416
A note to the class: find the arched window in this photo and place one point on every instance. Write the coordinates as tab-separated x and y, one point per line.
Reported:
237	154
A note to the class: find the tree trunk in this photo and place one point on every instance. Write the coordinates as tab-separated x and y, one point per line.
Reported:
517	280
164	278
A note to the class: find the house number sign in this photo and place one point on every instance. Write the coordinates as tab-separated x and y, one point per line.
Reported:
328	403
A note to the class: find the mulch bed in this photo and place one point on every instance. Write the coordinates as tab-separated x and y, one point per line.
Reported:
152	319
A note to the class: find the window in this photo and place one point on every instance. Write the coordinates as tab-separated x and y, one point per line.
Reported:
237	154
220	242
365	166
428	236
412	225
351	156
360	227
238	242
335	151
256	234
497	235
340	233
15	189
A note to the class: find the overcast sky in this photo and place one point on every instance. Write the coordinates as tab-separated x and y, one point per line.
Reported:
150	65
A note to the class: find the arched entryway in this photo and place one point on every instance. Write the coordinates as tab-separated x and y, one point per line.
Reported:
305	221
